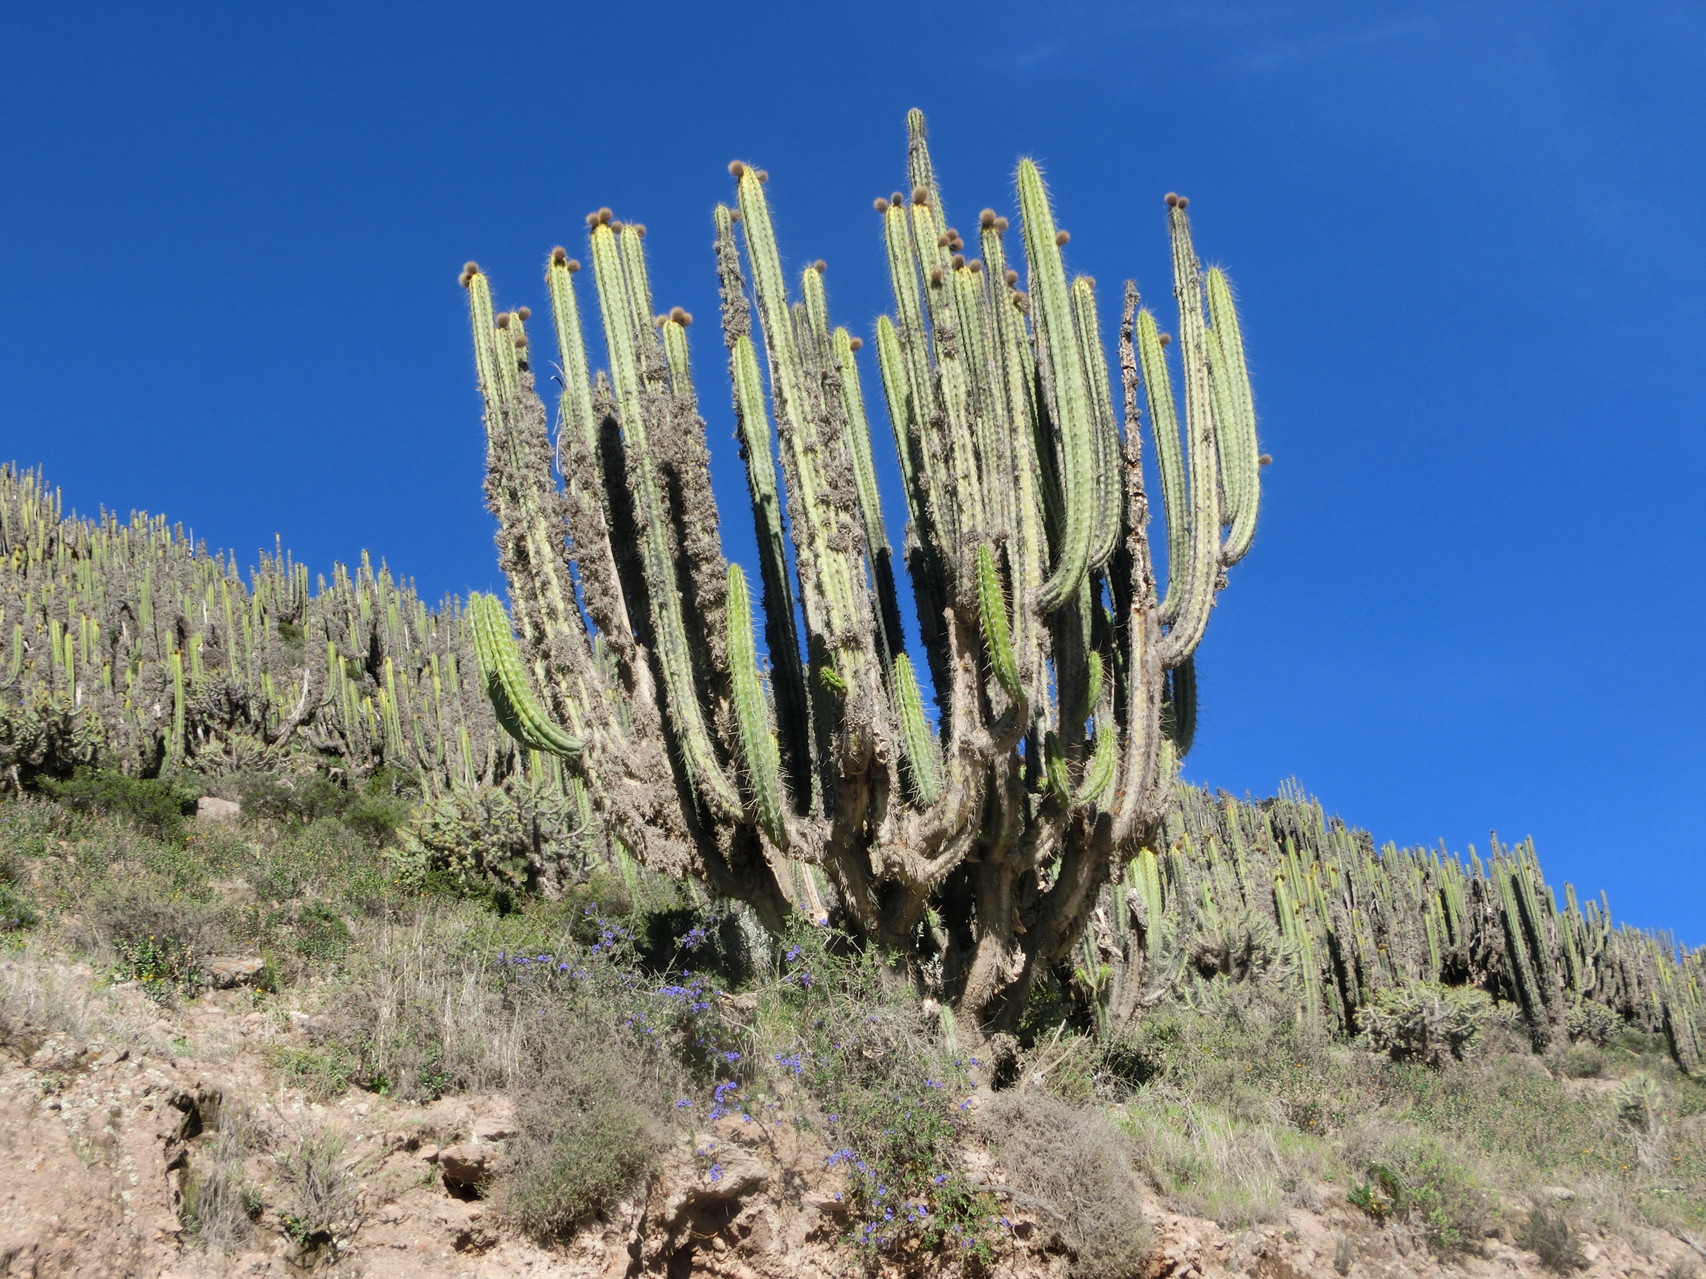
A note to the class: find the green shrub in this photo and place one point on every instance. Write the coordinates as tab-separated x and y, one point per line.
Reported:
16	911
585	1133
159	935
1413	1176
155	806
322	1070
1425	1022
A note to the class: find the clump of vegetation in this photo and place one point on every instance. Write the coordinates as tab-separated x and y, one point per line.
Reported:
155	806
1548	1234
322	1208
1415	1177
220	1203
1425	1022
521	836
1074	1167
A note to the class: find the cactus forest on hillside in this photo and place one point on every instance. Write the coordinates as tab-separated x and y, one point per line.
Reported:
1238	900
976	840
129	647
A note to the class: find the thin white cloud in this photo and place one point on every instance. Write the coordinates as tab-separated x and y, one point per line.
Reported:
1328	44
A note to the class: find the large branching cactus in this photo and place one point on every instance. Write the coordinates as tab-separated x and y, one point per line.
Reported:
974	839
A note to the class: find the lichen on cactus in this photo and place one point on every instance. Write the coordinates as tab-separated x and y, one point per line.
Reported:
974	840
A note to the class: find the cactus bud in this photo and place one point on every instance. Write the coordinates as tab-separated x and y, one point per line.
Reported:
736	169
521	341
1061	237
1166	339
761	175
880	205
639	229
502	320
470	268
986	220
896	199
1172	199
1267	459
605	216
1011	276
559	255
680	316
975	265
936	276
734	215
958	261
592	218
524	312
920	195
855	344
1000	224
1184	201
820	266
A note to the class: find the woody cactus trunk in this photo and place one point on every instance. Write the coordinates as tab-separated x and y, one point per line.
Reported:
974	840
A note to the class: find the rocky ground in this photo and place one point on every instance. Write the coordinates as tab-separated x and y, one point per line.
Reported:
112	1130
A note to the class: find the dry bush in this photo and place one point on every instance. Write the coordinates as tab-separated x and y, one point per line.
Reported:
322	1203
1076	1167
585	1133
220	1205
42	994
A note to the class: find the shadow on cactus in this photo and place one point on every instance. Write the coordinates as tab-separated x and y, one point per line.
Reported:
974	840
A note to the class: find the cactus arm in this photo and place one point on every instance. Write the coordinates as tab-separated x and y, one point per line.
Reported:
506	682
1179	711
1169	460
623	336
877	547
575	407
1027	549
1203	453
1053	309
752	719
1109	492
992	611
1104	763
1235	406
674	334
923	755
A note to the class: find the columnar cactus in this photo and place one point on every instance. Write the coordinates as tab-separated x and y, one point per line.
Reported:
977	837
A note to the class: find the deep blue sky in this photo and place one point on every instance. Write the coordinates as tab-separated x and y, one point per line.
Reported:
1469	238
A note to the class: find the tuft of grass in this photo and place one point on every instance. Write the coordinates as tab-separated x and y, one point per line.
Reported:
220	1205
1547	1233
